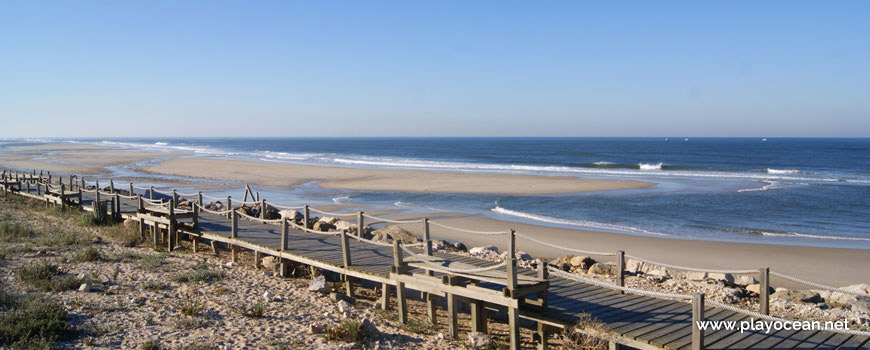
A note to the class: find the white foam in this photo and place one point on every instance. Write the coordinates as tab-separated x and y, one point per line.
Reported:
341	200
577	223
602	163
782	171
804	235
161	143
286	155
644	166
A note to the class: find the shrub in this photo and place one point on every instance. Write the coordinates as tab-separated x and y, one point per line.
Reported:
188	323
11	231
153	261
126	256
35	323
122	235
154	286
348	330
63	239
46	276
206	276
150	345
190	305
87	254
255	310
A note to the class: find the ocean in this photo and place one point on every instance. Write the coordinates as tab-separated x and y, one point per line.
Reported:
813	192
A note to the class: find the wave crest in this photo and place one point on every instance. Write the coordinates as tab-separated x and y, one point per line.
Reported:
644	166
577	223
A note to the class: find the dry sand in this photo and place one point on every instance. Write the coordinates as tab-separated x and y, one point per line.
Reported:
287	175
57	146
84	160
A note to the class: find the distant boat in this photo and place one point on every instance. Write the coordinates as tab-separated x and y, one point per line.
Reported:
685	139
763	140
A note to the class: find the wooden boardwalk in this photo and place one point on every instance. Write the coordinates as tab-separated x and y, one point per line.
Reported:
631	320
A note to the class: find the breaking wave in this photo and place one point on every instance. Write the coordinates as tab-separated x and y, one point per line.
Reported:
576	223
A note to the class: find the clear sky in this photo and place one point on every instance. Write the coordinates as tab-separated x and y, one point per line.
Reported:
434	68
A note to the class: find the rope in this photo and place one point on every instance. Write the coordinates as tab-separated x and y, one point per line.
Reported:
817	285
468	231
393	221
225	212
777	319
312	231
284	207
243	202
162	191
153	201
652	262
444	269
275	221
142	188
331	214
594	282
188	194
212	198
551	245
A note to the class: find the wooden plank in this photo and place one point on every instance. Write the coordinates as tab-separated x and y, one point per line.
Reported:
857	342
677	327
834	342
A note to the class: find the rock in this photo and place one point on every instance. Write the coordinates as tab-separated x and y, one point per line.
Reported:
581	262
368	329
861	304
231	264
483	250
114	287
460	247
745	280
105	279
268	261
724	277
318	284
328	219
756	288
634	267
268	296
342	225
519	256
439	336
438	244
315	328
343	306
340	297
272	213
478	339
82	276
323	226
845	299
602	269
661	272
392	232
84	287
268	273
291	214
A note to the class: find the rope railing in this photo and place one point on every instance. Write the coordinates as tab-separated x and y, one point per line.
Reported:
283	206
142	188
818	285
427	260
330	213
213	198
188	194
420	244
551	245
393	221
154	201
493	233
677	267
236	201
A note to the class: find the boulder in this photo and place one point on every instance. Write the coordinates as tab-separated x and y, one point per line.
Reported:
291	215
369	330
390	233
797	296
105	279
460	247
323	226
316	328
661	273
478	340
343	306
581	262
634	267
268	261
696	276
724	277
602	269
84	287
272	213
861	304
328	219
342	225
215	206
745	280
845	299
318	284
756	288
483	250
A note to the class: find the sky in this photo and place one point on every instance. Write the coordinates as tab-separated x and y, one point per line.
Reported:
434	68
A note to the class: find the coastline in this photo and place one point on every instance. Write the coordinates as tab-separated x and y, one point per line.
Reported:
285	176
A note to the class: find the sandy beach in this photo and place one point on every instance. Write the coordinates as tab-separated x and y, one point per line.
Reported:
287	175
76	158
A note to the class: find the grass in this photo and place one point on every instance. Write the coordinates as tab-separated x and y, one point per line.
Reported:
35	323
195	347
46	276
87	254
190	305
125	257
348	330
150	345
153	286
188	323
199	276
13	232
418	326
122	235
255	310
153	261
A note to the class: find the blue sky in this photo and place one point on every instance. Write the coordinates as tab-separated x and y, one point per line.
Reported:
436	68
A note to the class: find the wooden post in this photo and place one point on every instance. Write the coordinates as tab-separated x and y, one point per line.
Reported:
132	193
345	255
199	198
174	198
151	193
28	186
399	264
82	185
97	197
513	313
305	215
111	186
70	182
385	296
452	319
62	192
478	316
543	332
620	267
697	316
235	224
116	211
361	224
764	290
141	221
285	229
263	209
229	204
430	299
171	230
257	257
140	204
195	209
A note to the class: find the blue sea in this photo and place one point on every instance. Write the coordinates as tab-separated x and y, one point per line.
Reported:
812	192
